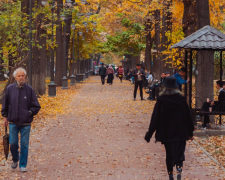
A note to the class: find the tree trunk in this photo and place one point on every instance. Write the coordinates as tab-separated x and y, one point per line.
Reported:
166	27
43	58
189	22
48	66
148	56
204	78
59	48
36	57
156	61
39	54
68	33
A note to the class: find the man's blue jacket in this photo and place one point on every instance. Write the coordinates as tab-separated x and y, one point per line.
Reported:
179	80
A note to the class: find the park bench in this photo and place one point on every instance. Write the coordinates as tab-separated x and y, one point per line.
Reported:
197	111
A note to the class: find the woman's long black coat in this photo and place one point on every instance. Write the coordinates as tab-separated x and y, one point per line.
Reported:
171	119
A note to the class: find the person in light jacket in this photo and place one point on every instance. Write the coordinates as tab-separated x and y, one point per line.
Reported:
172	121
110	72
19	107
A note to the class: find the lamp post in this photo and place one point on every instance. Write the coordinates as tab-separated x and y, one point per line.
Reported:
52	85
30	46
72	77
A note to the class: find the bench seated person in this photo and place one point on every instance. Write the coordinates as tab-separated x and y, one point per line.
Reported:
154	90
214	107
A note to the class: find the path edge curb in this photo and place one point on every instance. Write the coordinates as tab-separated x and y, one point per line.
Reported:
212	158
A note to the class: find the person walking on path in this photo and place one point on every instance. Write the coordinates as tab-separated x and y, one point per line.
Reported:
139	75
179	79
102	73
19	107
110	72
120	72
171	119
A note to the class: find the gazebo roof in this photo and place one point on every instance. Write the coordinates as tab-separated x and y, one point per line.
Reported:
205	38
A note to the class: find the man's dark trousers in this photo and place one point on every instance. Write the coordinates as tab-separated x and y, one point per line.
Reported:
140	84
103	79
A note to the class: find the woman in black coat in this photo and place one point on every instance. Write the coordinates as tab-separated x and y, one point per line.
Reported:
171	119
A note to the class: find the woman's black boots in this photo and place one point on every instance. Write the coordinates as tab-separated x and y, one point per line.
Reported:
171	177
179	171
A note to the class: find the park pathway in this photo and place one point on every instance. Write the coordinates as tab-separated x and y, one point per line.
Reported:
103	139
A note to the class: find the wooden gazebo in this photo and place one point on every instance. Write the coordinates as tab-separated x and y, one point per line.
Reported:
205	39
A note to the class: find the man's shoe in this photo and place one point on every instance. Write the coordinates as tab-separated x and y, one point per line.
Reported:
134	99
14	165
23	169
143	99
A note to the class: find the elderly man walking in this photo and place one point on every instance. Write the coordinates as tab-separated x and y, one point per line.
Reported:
18	109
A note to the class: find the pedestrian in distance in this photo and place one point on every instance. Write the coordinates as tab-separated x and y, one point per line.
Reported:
19	107
139	75
179	78
172	121
110	72
102	73
155	88
120	72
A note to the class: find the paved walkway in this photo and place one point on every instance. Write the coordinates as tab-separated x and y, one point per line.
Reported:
103	139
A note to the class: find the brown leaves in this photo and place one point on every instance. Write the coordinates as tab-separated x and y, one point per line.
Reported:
215	145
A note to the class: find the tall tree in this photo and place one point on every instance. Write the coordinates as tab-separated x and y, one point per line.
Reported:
59	48
189	21
43	59
148	55
156	61
204	78
39	52
166	27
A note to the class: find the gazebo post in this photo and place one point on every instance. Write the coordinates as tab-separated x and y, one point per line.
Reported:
190	83
221	65
221	74
186	64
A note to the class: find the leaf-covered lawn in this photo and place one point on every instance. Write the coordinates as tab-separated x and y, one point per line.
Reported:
215	145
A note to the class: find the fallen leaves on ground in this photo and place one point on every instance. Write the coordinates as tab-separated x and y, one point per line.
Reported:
51	108
215	145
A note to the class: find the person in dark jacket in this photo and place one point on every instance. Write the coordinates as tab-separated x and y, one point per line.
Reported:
179	78
102	73
139	75
19	107
215	105
155	88
171	119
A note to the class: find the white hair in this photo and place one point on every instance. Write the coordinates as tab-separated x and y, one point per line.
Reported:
19	69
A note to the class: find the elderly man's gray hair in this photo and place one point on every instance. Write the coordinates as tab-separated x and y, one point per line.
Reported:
19	69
